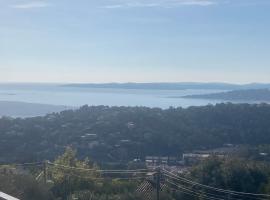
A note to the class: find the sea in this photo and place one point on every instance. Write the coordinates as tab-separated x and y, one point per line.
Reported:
59	96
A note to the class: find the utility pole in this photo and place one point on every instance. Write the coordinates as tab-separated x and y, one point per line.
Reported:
158	183
45	171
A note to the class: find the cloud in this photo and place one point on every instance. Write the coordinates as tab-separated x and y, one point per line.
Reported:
197	2
131	5
31	5
158	3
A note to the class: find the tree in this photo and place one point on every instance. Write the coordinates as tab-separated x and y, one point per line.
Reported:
70	174
233	174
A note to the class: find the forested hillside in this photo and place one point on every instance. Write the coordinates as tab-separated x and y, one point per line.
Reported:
124	133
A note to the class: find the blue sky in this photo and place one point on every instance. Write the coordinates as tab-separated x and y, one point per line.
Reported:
134	41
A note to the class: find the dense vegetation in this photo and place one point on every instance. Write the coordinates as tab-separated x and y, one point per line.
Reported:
231	174
124	133
67	183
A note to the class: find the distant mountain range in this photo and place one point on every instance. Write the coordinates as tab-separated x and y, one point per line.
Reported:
255	95
172	86
21	109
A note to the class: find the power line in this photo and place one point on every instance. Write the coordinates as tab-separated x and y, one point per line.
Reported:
206	193
166	173
231	192
37	178
240	195
182	191
23	164
141	171
108	172
193	193
106	178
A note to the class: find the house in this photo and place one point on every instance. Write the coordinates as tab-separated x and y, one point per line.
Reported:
89	136
197	156
159	160
194	158
131	125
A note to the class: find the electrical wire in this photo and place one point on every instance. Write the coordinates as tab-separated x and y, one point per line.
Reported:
23	164
195	194
141	171
210	194
231	192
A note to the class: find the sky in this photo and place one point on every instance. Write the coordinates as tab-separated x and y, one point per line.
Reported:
134	41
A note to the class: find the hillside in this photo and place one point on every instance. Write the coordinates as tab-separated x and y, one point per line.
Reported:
157	86
117	134
171	86
256	95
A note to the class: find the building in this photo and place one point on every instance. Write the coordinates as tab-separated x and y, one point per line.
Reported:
194	158
197	156
159	160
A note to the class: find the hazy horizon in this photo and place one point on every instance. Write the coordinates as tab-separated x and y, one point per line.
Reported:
105	41
163	82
